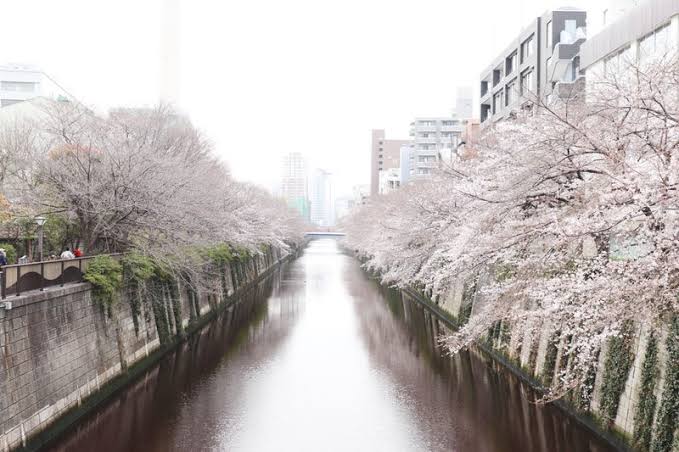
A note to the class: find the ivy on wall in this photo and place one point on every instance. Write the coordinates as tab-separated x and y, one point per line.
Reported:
668	415
643	418
616	368
467	300
106	276
550	359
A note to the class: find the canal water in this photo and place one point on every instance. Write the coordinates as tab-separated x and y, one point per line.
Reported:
321	358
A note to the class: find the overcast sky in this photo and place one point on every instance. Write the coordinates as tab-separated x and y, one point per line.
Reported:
262	78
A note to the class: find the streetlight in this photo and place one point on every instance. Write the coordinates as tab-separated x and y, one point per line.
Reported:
40	221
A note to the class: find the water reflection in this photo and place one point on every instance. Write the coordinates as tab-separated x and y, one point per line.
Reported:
321	358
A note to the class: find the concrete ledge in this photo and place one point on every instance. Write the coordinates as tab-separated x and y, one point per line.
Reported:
49	293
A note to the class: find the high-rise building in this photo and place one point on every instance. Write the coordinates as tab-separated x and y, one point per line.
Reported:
20	82
385	154
293	183
321	193
433	139
543	56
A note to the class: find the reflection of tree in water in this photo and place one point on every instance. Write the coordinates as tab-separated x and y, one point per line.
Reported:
464	402
151	414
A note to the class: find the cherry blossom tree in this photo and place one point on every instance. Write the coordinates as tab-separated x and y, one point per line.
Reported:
568	214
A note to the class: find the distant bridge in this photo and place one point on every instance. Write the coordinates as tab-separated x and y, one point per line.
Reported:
324	234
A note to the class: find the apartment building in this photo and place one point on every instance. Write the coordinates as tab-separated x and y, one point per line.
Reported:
21	82
384	154
647	30
542	56
432	140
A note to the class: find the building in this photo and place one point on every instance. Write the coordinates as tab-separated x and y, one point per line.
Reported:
407	162
464	102
384	154
294	183
432	140
19	83
321	193
360	194
343	206
390	180
645	31
542	56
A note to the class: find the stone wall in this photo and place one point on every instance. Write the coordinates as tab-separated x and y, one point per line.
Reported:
60	346
530	354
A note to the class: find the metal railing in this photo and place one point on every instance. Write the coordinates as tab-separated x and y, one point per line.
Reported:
19	278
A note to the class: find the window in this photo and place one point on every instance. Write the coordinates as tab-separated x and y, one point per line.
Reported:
527	81
510	63
498	101
618	62
656	44
569	34
8	102
23	87
548	32
485	112
484	87
527	48
510	93
497	76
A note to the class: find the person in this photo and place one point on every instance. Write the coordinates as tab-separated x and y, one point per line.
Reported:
67	254
77	252
3	257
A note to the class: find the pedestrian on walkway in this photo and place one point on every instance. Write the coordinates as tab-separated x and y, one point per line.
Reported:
67	254
77	252
3	257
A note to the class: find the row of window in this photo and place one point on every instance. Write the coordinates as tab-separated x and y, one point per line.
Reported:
23	87
510	93
431	123
526	50
658	43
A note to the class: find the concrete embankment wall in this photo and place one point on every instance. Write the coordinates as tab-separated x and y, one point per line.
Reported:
61	349
632	393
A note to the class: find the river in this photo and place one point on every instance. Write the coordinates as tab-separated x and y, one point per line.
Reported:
321	358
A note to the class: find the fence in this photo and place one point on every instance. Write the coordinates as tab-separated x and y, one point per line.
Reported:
20	278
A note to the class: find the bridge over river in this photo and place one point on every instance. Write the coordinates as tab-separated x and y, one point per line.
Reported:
321	358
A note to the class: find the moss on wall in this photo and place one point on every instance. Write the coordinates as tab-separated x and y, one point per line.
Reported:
668	415
616	369
643	418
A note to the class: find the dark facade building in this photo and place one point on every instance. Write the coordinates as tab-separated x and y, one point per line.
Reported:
543	55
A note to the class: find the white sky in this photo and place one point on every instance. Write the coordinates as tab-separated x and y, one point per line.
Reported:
265	77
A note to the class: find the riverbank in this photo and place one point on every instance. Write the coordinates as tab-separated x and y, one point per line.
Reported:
63	354
614	440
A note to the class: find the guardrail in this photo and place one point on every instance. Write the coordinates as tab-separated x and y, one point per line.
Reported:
19	278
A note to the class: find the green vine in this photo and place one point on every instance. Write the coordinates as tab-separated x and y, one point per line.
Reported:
106	276
137	269
616	369
643	418
668	415
467	300
550	359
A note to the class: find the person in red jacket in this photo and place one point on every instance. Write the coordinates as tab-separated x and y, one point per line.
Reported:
77	252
